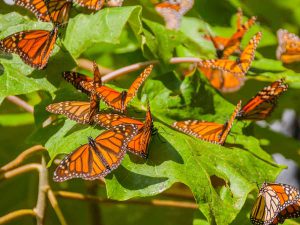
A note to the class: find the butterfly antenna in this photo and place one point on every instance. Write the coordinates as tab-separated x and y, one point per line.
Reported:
97	74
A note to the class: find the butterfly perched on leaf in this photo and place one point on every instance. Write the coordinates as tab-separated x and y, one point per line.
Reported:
288	50
263	103
241	65
227	46
119	100
275	203
97	158
55	11
208	131
79	81
34	46
172	11
222	80
81	112
140	143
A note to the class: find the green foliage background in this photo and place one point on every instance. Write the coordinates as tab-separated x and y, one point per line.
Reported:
116	37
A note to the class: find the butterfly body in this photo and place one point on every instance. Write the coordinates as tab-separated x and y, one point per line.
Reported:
98	157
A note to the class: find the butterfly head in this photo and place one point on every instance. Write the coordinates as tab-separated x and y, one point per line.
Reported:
92	142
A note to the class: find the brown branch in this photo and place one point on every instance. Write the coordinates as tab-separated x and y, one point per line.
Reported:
55	206
88	65
20	170
16	214
21	157
41	199
17	101
154	202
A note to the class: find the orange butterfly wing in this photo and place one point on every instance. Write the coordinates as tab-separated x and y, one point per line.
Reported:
119	100
262	104
222	80
139	144
59	10
239	66
273	198
208	131
37	7
288	50
292	211
34	47
97	158
91	4
81	112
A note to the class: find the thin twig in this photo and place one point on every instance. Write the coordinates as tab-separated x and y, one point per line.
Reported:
16	100
154	202
54	203
20	158
88	65
41	200
15	214
20	170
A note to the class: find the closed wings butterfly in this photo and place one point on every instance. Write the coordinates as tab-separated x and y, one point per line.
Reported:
119	100
140	143
227	46
56	11
172	11
208	131
274	199
222	80
288	50
81	112
291	211
239	66
91	4
263	103
97	158
79	81
34	46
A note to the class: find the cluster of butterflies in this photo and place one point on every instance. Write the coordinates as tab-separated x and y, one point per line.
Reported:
275	203
104	153
35	46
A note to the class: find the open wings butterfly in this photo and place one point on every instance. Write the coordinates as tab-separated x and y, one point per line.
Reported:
80	81
272	203
34	46
139	144
263	103
288	50
81	112
227	46
119	100
208	131
55	11
239	66
97	158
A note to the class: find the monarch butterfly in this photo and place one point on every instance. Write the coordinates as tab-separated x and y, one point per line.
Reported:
81	112
91	4
239	66
208	131
79	80
288	50
227	46
262	104
292	211
56	11
274	199
119	100
114	3
97	158
172	11
139	144
34	46
222	80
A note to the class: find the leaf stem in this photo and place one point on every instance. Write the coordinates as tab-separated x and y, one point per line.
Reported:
154	202
15	214
21	157
17	101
